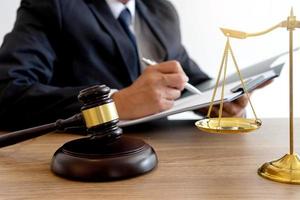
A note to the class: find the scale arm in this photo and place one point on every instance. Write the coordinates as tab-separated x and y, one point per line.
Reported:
243	35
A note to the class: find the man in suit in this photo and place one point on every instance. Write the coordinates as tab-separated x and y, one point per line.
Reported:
59	47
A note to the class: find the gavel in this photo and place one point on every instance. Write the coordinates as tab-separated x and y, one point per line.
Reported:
105	154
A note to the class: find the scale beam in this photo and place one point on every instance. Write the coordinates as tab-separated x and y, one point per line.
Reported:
290	23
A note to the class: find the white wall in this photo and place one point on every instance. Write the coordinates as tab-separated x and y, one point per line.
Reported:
7	15
200	22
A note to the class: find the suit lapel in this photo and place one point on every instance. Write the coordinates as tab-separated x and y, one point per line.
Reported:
102	12
152	23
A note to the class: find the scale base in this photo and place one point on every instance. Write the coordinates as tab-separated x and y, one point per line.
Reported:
285	170
228	125
90	159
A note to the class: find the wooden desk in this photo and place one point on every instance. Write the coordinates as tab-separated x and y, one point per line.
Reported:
192	165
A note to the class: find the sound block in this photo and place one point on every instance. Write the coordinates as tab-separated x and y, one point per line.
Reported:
91	159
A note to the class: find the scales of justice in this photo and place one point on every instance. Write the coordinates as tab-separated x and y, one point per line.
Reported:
287	168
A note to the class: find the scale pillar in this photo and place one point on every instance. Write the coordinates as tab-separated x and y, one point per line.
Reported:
287	168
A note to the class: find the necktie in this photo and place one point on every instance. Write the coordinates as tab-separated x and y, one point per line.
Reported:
125	19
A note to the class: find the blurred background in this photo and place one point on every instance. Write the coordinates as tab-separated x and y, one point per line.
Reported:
200	22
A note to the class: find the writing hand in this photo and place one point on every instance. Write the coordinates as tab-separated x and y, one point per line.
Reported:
154	91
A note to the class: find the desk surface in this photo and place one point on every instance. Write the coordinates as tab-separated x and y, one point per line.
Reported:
192	165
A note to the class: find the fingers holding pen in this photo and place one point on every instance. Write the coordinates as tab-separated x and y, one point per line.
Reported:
170	67
177	81
169	73
154	91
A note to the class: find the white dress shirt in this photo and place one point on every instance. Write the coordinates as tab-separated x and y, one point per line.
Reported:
117	7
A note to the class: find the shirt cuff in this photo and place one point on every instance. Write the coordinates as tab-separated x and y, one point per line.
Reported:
112	91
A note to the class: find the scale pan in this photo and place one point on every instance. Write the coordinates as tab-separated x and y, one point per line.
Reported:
228	125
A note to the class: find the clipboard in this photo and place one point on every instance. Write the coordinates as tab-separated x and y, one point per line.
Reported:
233	91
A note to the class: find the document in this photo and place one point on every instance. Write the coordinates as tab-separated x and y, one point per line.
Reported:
232	91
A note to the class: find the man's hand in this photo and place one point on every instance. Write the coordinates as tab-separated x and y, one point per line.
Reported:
154	91
230	109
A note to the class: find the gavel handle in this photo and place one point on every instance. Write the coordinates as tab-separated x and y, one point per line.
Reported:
27	134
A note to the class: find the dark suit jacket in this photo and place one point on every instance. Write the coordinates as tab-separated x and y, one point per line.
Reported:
58	47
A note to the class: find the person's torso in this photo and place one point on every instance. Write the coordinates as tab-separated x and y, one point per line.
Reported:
93	49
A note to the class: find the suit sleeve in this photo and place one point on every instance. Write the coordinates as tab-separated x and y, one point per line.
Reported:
26	68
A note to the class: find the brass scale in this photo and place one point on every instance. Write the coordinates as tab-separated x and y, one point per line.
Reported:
287	168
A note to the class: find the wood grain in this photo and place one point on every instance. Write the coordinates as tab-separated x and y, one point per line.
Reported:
192	165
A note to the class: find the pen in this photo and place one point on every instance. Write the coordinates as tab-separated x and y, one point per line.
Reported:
187	86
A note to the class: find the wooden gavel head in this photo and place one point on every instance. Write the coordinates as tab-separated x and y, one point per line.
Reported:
105	155
99	112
